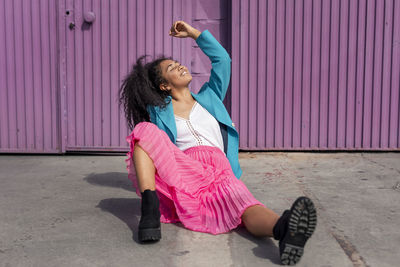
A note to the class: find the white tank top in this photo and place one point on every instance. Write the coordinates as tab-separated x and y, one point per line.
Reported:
200	129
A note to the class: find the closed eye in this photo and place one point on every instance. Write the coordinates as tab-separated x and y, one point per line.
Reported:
175	66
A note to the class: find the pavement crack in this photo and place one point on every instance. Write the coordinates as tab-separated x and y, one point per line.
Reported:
349	249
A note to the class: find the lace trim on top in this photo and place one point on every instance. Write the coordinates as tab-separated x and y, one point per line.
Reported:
190	126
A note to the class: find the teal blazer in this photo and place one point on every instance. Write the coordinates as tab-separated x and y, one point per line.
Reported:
210	96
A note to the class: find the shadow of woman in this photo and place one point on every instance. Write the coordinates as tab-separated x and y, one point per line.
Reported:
110	179
125	209
265	249
128	211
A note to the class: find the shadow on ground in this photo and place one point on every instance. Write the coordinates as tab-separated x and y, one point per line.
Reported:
128	211
110	179
266	248
125	209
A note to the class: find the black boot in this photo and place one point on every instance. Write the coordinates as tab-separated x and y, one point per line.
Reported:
294	228
149	225
281	225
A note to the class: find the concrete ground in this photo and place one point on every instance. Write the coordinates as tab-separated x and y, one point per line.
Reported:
77	210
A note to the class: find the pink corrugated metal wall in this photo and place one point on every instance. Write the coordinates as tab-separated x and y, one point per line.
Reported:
29	91
305	74
60	77
98	55
316	74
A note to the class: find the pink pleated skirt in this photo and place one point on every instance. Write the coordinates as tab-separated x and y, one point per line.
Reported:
196	187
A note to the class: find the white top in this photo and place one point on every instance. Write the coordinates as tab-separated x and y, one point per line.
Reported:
200	129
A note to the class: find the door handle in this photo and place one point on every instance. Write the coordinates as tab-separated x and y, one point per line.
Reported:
89	17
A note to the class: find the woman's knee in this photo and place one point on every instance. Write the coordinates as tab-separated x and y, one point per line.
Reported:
149	130
145	128
145	125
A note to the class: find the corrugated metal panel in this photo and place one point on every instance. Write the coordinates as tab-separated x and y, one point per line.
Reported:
28	76
214	16
99	55
305	74
318	75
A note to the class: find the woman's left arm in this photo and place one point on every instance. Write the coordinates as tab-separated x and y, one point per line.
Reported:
220	62
220	59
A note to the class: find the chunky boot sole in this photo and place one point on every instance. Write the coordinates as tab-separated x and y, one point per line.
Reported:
149	234
301	225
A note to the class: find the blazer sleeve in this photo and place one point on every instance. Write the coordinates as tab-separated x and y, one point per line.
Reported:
220	62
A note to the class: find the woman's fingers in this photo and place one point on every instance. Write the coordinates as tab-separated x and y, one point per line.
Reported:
173	28
179	29
180	26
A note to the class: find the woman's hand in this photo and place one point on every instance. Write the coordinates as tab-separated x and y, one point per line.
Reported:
182	29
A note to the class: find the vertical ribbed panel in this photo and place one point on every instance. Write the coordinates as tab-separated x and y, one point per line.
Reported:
318	75
98	56
306	74
28	76
214	16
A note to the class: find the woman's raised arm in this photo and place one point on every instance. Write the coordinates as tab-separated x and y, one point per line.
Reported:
220	62
220	59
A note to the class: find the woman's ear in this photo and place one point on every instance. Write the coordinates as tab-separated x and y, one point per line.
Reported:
164	87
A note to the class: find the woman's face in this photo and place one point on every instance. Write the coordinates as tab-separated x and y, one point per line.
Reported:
177	75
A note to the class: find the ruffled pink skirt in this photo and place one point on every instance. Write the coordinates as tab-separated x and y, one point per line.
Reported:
196	187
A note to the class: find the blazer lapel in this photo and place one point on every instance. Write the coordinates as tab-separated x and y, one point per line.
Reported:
214	108
167	115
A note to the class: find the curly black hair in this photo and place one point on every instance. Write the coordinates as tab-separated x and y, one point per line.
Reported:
141	87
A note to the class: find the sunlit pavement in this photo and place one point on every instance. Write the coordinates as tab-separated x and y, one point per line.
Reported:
81	210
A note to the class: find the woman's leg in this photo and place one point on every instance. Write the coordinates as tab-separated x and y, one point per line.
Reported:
145	170
149	224
260	220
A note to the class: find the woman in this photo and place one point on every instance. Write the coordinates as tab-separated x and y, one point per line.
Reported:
183	158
